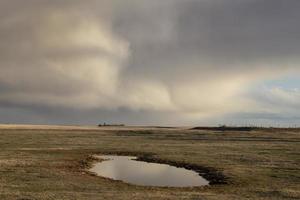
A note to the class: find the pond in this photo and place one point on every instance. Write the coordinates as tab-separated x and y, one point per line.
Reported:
129	170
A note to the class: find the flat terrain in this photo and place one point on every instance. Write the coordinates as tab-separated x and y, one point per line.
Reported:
41	162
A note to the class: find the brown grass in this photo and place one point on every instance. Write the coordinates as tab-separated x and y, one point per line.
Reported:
46	163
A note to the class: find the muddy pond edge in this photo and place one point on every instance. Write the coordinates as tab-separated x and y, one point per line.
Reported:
214	176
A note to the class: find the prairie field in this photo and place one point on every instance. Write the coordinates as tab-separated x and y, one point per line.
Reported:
44	162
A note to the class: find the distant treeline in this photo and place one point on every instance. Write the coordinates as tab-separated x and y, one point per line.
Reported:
242	128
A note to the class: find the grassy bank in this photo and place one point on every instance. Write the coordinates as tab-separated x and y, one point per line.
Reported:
47	164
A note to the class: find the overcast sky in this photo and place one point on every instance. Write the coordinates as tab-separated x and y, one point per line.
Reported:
146	62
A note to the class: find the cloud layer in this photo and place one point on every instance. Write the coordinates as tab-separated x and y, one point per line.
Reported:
120	60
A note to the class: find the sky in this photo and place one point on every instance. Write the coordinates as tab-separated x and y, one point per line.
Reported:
142	62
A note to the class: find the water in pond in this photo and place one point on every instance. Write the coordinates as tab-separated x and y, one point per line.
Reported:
127	169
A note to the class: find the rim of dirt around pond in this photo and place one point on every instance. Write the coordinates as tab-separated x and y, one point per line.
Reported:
212	175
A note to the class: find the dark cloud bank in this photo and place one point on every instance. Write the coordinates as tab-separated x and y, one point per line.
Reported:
148	62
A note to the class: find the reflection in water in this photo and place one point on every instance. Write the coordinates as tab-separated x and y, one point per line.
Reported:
127	169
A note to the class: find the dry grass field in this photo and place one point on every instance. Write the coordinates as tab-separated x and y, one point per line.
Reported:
41	162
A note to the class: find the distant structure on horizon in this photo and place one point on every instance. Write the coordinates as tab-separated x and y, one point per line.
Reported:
105	124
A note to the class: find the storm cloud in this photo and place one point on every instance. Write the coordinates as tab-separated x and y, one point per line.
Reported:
148	62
